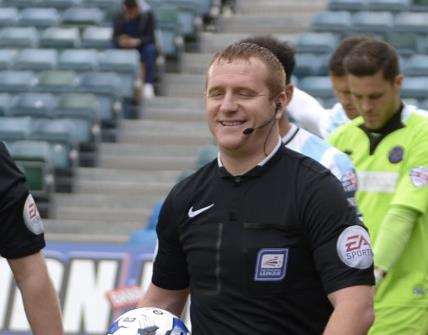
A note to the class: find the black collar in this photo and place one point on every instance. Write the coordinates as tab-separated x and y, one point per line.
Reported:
376	136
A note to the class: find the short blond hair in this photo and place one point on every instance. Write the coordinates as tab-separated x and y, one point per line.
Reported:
275	80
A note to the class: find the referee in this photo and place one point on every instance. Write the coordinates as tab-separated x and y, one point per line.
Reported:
21	235
262	238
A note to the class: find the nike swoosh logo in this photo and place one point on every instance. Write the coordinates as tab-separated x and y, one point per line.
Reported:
193	213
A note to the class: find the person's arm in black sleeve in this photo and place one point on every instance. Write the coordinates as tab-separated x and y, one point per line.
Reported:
342	254
147	28
170	281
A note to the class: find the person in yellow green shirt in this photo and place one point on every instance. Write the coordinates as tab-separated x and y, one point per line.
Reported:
388	144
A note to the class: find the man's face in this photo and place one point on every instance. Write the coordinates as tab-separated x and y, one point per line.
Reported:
375	98
341	90
237	98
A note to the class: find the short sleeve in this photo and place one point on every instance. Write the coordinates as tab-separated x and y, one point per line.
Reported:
170	265
21	227
340	244
412	187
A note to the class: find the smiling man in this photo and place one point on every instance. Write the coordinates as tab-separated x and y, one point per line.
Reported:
388	145
262	237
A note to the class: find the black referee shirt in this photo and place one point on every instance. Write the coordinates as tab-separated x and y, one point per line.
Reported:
21	228
261	251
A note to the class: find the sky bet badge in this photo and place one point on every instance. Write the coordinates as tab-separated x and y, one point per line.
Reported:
271	264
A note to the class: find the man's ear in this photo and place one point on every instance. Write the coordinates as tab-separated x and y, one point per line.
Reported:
280	104
398	81
289	90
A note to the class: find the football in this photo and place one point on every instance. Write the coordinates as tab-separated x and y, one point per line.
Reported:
148	321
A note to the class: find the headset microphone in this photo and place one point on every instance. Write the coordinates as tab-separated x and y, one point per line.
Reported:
248	131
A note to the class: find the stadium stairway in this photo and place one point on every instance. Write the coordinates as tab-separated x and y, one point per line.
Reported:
116	198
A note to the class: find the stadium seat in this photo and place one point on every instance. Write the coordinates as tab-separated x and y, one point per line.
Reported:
405	43
411	22
5	102
20	3
97	37
317	43
416	88
119	60
78	60
39	17
417	65
372	22
339	22
388	5
57	81
422	45
33	104
76	16
100	83
60	4
318	86
60	38
17	81
7	57
19	37
309	64
348	5
15	128
8	16
36	59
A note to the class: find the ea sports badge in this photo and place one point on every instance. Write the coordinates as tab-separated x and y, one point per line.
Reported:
396	154
419	176
31	216
354	248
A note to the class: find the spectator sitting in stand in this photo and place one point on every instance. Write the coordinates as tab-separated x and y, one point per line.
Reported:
134	29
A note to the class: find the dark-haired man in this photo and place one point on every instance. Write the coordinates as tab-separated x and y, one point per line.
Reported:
262	237
22	240
388	144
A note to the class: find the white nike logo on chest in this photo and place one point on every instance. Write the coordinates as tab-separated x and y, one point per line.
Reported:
193	213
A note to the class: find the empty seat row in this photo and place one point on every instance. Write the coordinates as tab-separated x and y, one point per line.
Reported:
48	17
370	22
378	5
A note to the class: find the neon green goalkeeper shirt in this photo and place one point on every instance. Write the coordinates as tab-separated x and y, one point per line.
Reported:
392	168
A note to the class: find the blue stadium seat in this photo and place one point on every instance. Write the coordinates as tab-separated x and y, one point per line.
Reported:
78	60
36	59
422	45
60	38
7	57
318	86
415	88
82	16
5	102
8	16
317	42
97	37
119	60
60	4
15	128
17	81
339	21
57	81
39	17
309	64
388	5
411	22
33	104
348	5
372	22
405	43
19	37
417	65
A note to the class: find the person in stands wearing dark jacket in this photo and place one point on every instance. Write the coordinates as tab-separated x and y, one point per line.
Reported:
134	29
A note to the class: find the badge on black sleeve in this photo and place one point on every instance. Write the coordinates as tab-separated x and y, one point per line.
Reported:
354	248
32	217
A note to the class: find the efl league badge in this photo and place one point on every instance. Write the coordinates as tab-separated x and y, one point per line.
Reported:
396	154
271	264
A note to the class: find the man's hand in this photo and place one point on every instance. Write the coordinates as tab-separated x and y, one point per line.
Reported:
126	41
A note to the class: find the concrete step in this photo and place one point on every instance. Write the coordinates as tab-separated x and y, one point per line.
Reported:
163	102
214	42
107	200
103	175
90	230
174	109
268	7
196	63
161	126
266	24
135	149
149	163
183	85
159	189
